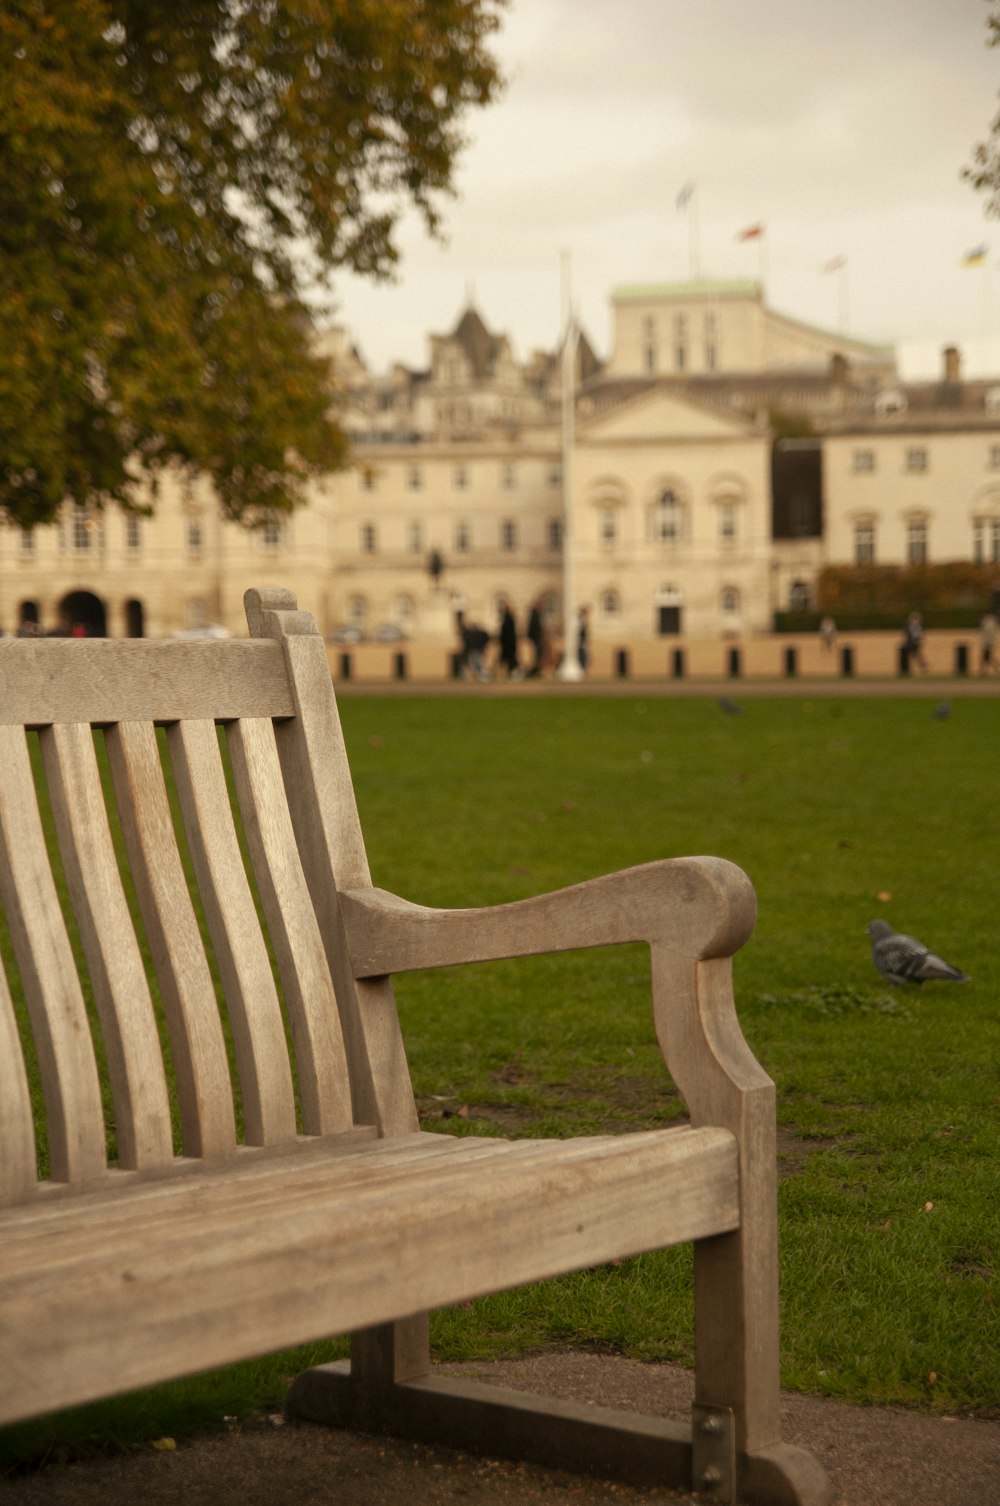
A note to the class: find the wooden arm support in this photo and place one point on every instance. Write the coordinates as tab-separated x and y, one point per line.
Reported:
698	908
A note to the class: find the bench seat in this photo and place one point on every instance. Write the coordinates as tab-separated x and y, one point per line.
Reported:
168	1275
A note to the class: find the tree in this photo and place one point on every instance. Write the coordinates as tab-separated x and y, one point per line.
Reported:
180	181
984	174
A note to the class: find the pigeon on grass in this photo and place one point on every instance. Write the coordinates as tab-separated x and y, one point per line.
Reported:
728	707
903	959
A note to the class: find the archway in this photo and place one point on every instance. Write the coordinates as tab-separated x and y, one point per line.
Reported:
135	619
82	610
28	619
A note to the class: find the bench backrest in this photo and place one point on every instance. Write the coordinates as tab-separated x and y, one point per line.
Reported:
174	818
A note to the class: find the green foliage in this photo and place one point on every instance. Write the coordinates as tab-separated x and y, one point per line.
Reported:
175	178
883	595
790	425
984	174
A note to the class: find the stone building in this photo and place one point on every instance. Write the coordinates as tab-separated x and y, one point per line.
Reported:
719	458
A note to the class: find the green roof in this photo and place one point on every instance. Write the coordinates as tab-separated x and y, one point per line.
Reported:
732	287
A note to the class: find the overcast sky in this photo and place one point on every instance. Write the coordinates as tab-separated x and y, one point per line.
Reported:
840	125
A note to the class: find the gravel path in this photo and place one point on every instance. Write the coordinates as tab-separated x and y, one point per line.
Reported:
875	1456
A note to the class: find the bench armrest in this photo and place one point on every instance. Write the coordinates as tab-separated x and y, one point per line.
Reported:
698	908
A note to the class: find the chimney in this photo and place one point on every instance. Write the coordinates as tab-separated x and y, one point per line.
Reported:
952	363
838	369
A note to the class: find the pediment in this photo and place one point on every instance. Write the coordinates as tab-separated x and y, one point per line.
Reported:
660	416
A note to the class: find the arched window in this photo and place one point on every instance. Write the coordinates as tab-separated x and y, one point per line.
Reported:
607	523
666	518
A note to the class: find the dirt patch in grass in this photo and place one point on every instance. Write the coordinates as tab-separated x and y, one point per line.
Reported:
599	1100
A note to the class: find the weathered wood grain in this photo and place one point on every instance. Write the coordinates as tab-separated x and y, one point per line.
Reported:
66	1062
197	1043
103	680
135	1299
240	951
324	1087
117	974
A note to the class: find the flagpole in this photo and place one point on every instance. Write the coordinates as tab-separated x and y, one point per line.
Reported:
570	667
688	199
844	296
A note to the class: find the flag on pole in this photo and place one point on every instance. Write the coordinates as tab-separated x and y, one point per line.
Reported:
975	257
684	195
835	264
751	233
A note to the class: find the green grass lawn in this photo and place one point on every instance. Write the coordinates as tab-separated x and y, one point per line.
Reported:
888	1099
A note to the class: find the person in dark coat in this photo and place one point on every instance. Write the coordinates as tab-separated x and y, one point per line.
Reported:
536	637
508	659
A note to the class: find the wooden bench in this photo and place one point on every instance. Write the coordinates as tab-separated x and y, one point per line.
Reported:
163	1211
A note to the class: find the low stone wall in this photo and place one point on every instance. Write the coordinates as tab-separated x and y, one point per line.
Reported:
776	656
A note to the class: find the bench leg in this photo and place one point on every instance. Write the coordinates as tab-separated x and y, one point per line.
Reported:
373	1393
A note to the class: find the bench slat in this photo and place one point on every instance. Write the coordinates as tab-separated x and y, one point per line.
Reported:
251	998
307	1170
308	989
197	1043
66	1061
249	1284
117	974
17	1132
140	680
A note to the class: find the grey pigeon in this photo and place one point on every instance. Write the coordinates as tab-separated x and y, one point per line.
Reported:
902	959
729	707
943	712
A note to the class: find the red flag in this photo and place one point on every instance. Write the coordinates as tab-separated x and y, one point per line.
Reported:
751	233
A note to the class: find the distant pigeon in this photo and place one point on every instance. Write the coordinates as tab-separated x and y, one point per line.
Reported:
943	712
729	707
902	959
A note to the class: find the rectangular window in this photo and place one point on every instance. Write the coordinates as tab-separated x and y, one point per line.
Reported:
82	529
133	537
650	357
864	544
507	477
727	522
555	532
916	458
460	477
916	542
986	541
680	357
508	534
666	520
609	525
270	533
414	537
27	541
414	478
864	460
461	538
711	358
555	475
369	539
194	539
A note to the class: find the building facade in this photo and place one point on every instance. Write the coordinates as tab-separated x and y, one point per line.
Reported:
715	463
